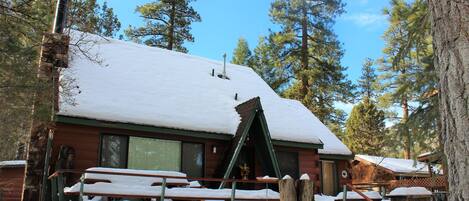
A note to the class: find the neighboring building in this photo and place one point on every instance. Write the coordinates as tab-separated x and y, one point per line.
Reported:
11	180
150	108
375	169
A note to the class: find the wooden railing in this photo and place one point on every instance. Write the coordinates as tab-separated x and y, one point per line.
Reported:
438	182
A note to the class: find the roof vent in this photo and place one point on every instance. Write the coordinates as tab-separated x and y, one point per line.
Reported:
223	74
236	96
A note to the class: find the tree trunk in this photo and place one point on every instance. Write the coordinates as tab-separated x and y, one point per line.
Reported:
407	135
304	50
172	21
450	26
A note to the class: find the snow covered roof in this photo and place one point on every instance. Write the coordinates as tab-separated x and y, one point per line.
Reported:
406	191
397	165
157	87
12	163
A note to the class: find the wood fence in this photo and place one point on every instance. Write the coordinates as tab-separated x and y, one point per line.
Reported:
433	183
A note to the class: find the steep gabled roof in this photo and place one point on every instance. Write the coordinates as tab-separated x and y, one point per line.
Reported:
251	112
144	85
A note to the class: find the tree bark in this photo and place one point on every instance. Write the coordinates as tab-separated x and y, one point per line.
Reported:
407	134
450	26
172	21
287	189
304	50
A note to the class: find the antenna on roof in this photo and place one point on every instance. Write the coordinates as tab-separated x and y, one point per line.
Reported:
224	66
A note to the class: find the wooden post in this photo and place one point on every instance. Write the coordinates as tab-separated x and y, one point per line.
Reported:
306	188
287	189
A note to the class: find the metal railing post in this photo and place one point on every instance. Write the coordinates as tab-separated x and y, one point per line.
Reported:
163	188
345	193
233	190
82	186
61	186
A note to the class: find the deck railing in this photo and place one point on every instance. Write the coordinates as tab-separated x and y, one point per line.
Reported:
57	182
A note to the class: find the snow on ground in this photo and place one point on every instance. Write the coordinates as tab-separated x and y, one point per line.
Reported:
152	86
397	165
12	163
135	180
405	191
355	196
318	197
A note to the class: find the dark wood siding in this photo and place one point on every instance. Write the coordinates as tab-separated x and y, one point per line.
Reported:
11	183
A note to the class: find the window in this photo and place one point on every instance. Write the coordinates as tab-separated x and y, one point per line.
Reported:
193	159
152	154
114	151
288	163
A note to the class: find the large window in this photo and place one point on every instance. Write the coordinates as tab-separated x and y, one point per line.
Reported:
152	154
288	163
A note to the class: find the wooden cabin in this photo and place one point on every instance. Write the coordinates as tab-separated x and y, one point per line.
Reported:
375	169
11	180
148	108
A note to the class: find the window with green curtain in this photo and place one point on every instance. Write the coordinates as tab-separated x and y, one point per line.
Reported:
154	154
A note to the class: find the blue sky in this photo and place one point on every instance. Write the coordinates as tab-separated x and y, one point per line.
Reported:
224	21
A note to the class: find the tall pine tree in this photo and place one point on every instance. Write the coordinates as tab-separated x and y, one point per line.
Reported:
365	131
242	53
313	54
408	76
167	24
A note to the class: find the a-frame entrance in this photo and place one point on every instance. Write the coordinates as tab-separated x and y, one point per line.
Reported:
251	148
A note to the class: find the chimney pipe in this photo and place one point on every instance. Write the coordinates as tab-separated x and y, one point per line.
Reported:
60	16
224	66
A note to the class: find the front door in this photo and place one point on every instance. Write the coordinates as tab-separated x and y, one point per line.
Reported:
328	176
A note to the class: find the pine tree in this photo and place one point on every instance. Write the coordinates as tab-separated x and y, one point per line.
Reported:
367	80
22	25
90	17
167	24
408	75
313	54
268	63
242	54
365	129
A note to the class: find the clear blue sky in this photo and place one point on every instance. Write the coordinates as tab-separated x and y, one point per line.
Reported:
224	21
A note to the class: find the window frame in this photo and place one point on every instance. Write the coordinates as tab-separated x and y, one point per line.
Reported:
297	161
100	151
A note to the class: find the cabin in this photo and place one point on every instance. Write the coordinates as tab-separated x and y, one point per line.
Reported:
11	179
376	169
140	107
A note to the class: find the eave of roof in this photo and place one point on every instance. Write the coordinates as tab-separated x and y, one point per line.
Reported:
189	133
